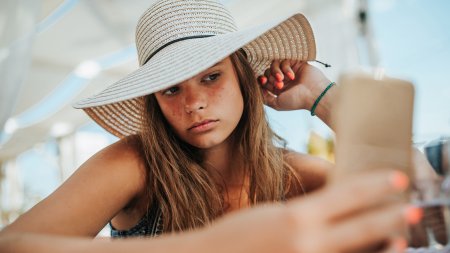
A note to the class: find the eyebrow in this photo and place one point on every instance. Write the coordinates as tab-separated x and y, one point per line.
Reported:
221	62
218	63
215	65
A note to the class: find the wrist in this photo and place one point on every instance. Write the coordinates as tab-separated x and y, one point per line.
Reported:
315	91
321	105
320	98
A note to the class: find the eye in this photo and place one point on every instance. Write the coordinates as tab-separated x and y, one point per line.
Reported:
211	77
171	91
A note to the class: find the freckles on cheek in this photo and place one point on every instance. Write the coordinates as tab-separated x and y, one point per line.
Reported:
175	113
172	113
216	96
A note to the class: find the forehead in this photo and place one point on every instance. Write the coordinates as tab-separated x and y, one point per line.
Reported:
225	63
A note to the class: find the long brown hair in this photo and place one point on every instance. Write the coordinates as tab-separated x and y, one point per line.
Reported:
185	192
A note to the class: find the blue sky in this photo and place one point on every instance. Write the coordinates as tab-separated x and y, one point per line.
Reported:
413	38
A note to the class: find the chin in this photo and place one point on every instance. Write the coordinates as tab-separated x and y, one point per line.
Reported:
206	143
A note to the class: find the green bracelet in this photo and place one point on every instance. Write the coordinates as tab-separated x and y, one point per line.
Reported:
313	108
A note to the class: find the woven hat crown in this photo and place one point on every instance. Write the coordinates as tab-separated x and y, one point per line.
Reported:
167	21
170	51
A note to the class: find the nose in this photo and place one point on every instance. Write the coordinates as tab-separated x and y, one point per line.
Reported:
194	99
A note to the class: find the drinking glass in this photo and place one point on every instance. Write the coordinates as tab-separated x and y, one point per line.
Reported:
432	231
431	191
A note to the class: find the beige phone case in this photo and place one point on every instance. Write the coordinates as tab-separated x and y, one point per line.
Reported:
373	120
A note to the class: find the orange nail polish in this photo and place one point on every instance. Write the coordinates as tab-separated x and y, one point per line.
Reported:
291	75
263	80
413	214
279	77
279	85
399	180
400	244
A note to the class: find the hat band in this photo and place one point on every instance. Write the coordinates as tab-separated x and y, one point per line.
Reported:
173	41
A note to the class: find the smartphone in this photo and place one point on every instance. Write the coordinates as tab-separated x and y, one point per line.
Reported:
373	124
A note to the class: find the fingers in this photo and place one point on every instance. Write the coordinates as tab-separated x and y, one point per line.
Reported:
269	92
287	70
354	212
270	81
396	245
270	99
273	81
369	228
356	193
277	75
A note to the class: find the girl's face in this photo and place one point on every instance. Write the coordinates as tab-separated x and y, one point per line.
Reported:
204	110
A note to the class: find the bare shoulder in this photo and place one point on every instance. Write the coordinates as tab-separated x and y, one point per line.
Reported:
123	157
98	190
311	170
121	165
120	162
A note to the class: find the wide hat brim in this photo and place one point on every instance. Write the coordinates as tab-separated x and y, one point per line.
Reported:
118	107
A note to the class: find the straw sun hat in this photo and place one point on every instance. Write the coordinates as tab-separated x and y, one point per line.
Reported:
178	39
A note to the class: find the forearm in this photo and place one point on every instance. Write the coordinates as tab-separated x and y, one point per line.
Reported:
36	243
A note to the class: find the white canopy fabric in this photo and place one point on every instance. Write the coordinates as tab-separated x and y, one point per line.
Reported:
81	46
17	32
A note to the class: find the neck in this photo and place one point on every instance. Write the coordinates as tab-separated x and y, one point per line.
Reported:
224	164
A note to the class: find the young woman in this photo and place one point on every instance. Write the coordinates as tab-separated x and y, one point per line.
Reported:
195	145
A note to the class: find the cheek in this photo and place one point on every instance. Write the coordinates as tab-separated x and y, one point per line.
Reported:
228	95
234	97
216	96
172	112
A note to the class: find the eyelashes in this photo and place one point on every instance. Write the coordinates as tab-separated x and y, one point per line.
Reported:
171	91
208	79
211	77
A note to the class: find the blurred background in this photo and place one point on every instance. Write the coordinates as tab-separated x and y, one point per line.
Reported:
54	52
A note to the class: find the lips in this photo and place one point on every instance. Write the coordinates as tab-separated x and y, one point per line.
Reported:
202	124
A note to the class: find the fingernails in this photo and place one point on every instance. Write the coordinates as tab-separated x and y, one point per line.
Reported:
399	180
262	80
400	244
279	77
291	75
413	215
279	85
